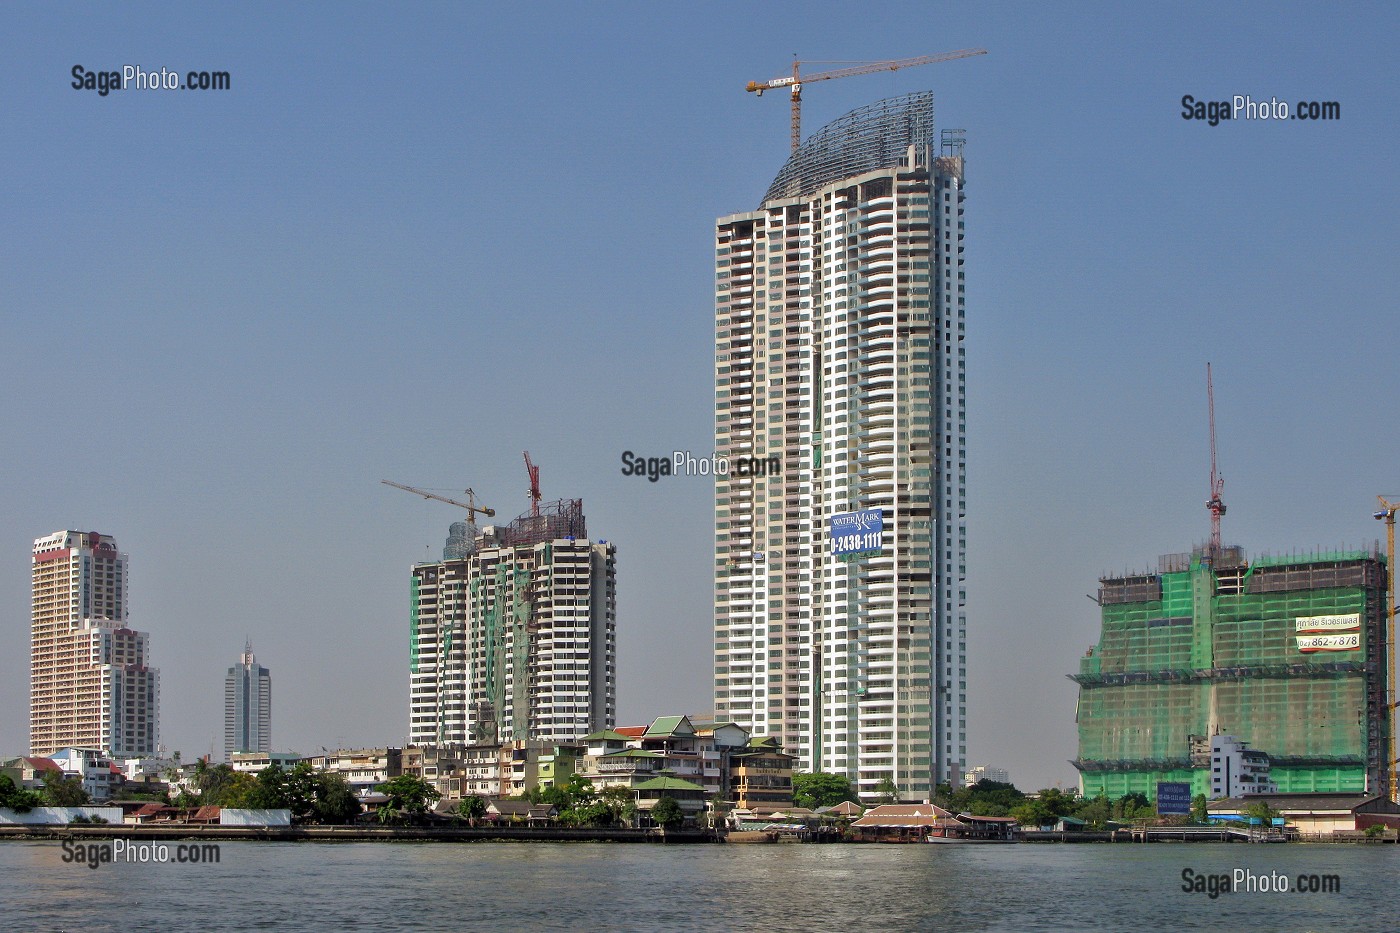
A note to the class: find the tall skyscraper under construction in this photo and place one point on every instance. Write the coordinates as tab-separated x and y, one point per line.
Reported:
513	633
839	583
90	683
1287	654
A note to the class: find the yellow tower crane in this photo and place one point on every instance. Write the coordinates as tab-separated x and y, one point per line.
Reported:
473	510
795	81
1386	513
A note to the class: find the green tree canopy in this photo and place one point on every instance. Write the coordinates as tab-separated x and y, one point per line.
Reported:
336	803
278	789
1199	813
887	791
409	798
17	798
666	812
820	789
61	790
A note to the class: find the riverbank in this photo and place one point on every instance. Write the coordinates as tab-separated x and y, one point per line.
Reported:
357	833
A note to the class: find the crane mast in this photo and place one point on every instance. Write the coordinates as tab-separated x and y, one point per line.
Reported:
1217	483
794	82
534	472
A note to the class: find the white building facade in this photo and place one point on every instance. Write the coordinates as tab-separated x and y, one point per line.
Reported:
1236	770
839	349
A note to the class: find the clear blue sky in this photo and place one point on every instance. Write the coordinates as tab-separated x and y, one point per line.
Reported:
413	241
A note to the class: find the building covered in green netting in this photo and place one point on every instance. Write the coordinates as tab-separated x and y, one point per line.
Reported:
1287	653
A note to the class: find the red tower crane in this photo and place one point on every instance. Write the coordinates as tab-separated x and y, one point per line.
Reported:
534	472
1217	482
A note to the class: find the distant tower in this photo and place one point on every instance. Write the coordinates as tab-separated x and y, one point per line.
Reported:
247	706
90	683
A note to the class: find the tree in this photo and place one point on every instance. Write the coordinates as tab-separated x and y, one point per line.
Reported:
17	798
984	798
620	803
887	791
1199	814
1096	812
580	790
62	791
666	813
472	808
278	789
821	789
1261	811
409	797
221	786
336	803
1047	807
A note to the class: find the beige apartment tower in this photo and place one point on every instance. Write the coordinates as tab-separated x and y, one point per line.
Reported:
91	683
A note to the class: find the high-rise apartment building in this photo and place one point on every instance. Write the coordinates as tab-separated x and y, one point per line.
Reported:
247	706
513	633
90	680
839	583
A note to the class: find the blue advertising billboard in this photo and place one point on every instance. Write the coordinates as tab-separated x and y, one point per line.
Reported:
1173	799
857	534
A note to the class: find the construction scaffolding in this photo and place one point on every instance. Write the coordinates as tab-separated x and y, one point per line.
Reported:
554	521
1284	653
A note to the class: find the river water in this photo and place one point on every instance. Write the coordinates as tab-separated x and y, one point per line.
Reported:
602	886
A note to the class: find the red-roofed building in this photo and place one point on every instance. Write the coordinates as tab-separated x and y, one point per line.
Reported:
28	771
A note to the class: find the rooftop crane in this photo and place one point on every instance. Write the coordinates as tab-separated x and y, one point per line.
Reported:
796	80
1217	482
473	510
534	472
1386	513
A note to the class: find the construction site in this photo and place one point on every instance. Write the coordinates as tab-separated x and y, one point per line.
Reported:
512	635
1292	655
1286	653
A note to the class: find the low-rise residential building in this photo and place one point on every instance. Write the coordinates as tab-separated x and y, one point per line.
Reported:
557	765
136	769
257	762
760	776
1236	769
689	795
626	768
716	742
101	778
27	772
363	768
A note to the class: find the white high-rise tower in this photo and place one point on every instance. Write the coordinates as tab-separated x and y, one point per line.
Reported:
839	584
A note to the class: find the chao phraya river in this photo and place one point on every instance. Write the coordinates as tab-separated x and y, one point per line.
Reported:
609	886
